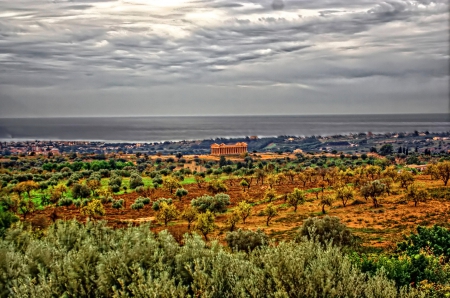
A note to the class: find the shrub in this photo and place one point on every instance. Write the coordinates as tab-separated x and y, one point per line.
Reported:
218	203
118	204
181	192
93	208
435	239
406	270
137	205
246	240
6	220
65	202
93	260
324	230
135	181
80	191
106	200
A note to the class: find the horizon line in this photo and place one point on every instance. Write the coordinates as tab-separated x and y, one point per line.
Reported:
219	115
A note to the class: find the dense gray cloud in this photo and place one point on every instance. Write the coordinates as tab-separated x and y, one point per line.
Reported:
137	57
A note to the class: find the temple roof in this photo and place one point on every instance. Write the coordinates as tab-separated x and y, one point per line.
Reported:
240	144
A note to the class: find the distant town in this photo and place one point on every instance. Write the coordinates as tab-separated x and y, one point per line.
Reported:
404	143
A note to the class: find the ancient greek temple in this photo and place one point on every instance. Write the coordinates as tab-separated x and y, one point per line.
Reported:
223	149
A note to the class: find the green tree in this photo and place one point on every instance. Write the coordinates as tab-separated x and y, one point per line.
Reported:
181	192
25	206
386	149
245	210
135	181
26	187
167	213
416	193
373	190
244	184
296	198
406	178
233	219
216	185
190	215
170	183
344	194
270	212
80	191
218	203
270	194
326	200
205	223
440	171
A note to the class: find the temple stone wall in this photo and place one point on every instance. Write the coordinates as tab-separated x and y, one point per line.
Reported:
223	149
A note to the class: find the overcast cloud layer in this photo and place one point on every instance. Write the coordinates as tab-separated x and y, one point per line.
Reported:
175	57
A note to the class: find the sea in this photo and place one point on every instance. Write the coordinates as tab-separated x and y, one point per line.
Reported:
177	128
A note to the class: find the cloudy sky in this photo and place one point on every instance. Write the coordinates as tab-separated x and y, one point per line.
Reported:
223	57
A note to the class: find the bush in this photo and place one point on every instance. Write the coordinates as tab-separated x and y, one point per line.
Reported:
158	202
118	204
93	208
135	181
6	220
218	203
65	202
324	230
246	240
406	270
137	205
106	200
80	191
93	260
435	239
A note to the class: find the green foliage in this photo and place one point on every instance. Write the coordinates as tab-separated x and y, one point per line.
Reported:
246	240
406	270
118	204
373	190
6	220
386	149
326	230
205	223
94	208
435	239
296	198
92	260
167	213
216	186
218	203
135	181
137	205
245	210
190	215
65	202
181	192
416	193
80	191
270	212
157	204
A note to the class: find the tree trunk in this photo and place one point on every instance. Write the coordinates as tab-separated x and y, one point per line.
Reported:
323	209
